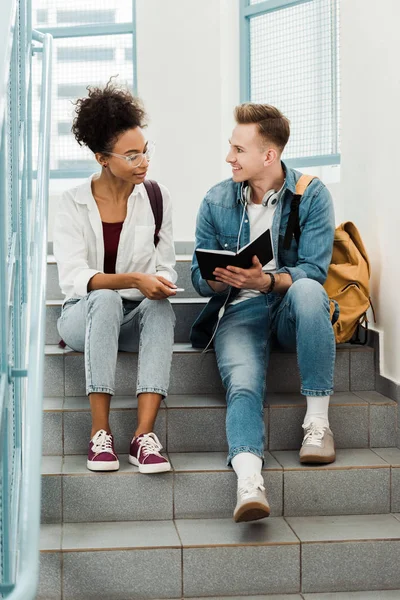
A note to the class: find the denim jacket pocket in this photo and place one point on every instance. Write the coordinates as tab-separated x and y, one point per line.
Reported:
228	242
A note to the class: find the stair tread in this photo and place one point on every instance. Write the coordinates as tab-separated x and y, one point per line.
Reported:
54	349
206	462
367	595
197	533
51	349
196	401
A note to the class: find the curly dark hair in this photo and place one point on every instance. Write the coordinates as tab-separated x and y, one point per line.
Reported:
104	114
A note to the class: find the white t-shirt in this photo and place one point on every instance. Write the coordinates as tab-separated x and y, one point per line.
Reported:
260	218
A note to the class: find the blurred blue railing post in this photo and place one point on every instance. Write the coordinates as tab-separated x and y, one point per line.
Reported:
23	253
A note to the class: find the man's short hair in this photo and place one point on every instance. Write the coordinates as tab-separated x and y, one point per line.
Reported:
272	125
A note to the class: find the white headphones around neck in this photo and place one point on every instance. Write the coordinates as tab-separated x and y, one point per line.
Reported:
270	198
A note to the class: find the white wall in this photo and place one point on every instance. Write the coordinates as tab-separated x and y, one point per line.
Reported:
188	75
188	78
370	47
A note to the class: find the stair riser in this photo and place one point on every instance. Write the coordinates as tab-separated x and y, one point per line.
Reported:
53	291
185	317
203	429
212	495
309	567
196	373
108	574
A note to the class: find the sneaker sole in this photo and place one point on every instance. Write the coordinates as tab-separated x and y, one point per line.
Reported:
103	465
314	458
251	511
160	468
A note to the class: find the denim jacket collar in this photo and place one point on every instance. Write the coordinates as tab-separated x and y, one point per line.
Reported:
290	184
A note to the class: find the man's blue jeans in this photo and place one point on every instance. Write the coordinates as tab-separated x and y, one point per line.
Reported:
300	321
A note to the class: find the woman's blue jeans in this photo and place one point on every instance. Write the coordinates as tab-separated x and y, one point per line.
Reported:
300	321
102	323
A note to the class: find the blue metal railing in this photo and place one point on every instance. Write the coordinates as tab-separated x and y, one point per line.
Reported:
23	250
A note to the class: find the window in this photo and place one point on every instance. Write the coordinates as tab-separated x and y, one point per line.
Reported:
66	17
94	40
64	127
42	16
76	54
290	59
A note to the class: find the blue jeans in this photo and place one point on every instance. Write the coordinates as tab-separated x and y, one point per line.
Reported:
300	321
102	323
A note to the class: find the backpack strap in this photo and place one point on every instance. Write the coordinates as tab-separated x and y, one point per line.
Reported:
293	225
156	203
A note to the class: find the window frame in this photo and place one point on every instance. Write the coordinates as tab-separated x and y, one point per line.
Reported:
247	12
72	31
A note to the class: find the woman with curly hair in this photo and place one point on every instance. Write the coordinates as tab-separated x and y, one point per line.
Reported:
116	274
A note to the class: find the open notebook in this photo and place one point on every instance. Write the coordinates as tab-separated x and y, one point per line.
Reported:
209	260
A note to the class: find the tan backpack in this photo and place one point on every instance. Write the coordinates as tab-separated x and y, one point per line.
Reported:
347	283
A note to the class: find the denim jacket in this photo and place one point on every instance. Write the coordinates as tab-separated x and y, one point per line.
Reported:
218	224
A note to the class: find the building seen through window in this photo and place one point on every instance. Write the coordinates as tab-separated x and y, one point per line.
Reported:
80	59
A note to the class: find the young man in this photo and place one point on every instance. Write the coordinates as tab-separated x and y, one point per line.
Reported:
284	298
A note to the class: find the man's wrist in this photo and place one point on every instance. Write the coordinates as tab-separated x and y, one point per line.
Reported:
269	283
266	283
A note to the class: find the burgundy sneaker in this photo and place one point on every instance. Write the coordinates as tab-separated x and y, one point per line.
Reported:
144	453
101	455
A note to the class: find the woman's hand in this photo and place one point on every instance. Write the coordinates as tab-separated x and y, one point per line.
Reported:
154	287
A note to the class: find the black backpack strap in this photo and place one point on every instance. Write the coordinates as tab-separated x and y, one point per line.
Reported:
293	224
156	203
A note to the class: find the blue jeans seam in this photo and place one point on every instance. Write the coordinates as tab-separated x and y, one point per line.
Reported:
140	348
241	449
316	393
87	350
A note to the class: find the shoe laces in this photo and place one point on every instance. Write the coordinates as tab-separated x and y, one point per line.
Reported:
314	434
248	487
102	442
149	444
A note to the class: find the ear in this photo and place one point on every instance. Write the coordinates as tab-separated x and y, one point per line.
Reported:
270	157
102	159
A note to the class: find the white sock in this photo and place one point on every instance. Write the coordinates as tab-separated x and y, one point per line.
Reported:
246	464
317	410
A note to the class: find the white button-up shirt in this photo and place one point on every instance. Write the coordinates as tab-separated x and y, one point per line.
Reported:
79	242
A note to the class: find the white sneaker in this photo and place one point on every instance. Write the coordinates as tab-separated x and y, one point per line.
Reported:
318	444
252	503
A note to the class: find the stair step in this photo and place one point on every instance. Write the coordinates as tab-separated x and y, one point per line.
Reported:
217	557
196	372
196	423
376	595
200	485
186	311
182	267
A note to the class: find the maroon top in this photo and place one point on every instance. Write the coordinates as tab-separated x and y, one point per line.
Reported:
111	233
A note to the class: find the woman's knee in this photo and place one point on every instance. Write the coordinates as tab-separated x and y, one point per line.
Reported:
105	300
160	310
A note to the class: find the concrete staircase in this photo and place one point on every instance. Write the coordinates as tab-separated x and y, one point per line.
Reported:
334	531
